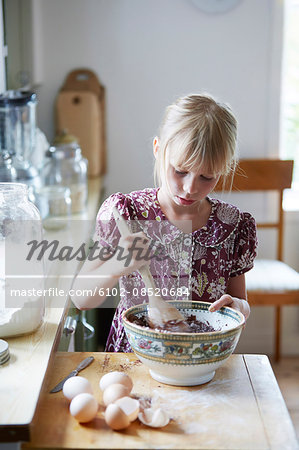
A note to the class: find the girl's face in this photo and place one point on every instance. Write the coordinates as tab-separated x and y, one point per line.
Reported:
187	188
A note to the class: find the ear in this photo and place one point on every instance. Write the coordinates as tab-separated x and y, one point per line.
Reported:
156	146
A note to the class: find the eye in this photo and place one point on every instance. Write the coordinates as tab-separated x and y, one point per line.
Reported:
180	172
206	178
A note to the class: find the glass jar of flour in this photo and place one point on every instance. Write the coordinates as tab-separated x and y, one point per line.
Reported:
22	302
65	166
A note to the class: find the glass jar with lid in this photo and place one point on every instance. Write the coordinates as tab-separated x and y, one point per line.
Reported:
65	166
21	270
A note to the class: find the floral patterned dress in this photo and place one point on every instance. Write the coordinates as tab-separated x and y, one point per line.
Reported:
195	265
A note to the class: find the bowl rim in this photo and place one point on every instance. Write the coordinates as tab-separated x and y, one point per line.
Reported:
173	333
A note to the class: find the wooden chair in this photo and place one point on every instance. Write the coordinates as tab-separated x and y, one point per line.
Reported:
270	282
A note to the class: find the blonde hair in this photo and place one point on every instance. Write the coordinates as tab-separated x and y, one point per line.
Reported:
197	130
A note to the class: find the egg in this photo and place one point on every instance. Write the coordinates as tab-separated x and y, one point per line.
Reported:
76	385
130	407
116	378
84	407
116	418
114	392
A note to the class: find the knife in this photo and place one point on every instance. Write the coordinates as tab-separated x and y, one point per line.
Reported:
73	373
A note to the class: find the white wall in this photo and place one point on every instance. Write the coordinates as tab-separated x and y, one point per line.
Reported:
148	52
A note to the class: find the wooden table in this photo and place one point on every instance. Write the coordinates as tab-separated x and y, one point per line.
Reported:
241	408
22	376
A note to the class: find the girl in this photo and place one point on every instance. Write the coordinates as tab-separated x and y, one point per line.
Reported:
202	246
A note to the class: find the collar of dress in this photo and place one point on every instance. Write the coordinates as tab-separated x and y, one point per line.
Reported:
223	220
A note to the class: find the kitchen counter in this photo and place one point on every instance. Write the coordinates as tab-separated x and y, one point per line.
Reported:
241	408
23	375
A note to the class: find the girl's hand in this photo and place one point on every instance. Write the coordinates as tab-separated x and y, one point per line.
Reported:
234	302
132	252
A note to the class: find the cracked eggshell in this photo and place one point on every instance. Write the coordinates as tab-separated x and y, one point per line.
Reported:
155	418
130	407
84	407
75	386
116	418
114	392
115	378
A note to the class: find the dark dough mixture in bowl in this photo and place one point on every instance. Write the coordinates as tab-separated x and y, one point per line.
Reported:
196	326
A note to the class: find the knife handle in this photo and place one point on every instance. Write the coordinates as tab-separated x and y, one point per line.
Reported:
84	363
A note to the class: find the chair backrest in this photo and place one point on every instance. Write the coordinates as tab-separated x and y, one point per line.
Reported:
263	175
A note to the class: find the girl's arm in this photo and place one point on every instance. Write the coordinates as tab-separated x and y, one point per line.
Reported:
96	278
235	297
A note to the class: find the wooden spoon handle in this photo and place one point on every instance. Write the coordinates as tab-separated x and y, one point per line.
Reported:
147	277
124	231
158	310
121	223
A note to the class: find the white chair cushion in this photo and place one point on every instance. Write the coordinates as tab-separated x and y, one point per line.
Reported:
271	275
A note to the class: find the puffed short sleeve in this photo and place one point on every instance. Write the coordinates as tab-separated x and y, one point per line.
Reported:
245	245
106	231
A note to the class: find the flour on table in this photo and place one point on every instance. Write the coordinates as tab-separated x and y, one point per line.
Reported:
181	403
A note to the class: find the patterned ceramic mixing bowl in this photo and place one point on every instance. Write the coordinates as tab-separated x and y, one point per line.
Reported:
185	359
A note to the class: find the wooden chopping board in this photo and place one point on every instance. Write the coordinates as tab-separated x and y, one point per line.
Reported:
241	408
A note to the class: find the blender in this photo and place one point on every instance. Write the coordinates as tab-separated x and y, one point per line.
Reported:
18	137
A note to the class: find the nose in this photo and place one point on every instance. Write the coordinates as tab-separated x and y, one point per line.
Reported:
190	185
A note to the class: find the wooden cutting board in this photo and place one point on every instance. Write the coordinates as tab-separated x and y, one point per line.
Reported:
241	408
80	108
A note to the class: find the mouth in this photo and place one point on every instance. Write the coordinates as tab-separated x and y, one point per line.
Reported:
184	201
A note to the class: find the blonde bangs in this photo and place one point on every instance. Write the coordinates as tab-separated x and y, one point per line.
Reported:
203	150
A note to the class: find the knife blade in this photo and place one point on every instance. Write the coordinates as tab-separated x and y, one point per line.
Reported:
83	364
